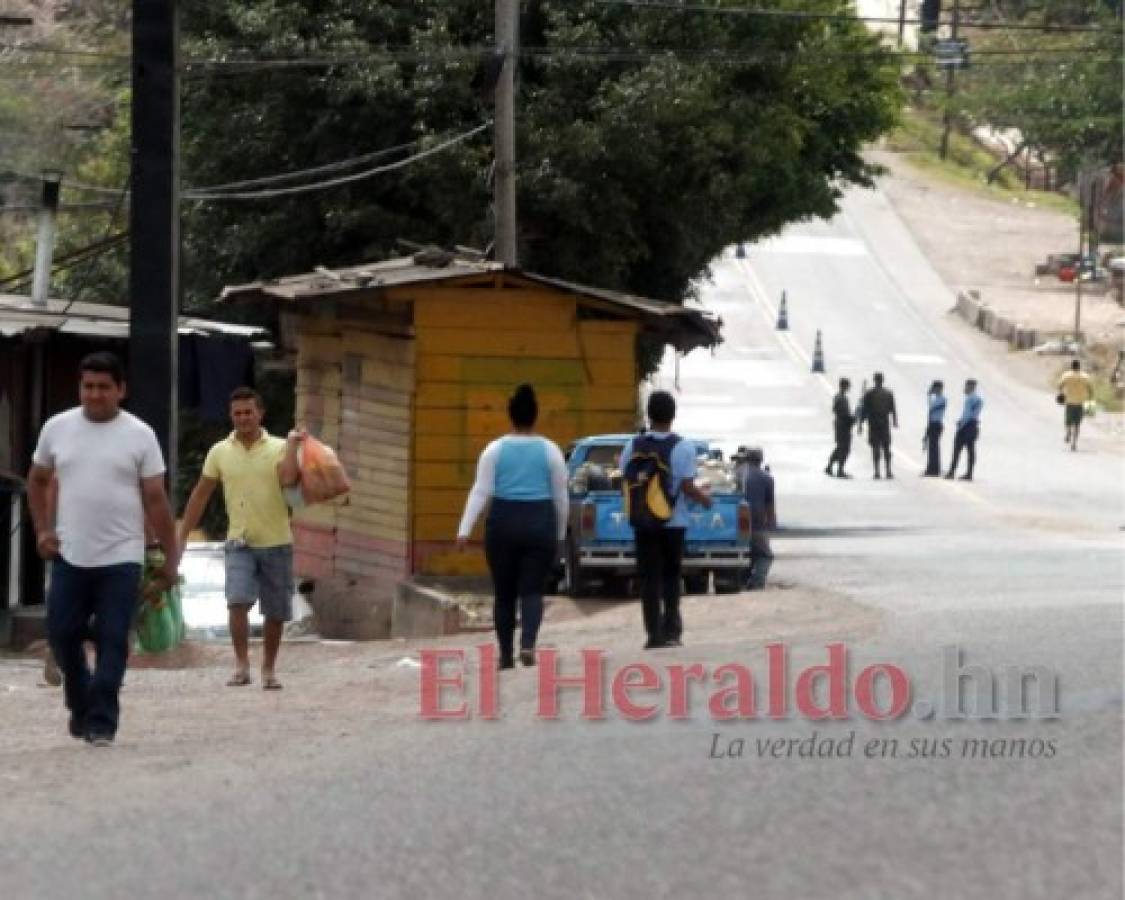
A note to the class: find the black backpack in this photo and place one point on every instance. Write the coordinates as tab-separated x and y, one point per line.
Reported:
647	484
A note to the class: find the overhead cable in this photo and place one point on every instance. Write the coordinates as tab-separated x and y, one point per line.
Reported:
669	6
335	182
301	173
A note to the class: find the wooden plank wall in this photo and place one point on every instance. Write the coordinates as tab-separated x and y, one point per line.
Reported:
318	409
355	391
474	346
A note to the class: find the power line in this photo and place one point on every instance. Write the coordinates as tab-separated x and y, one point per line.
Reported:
667	5
67	207
202	66
335	182
70	259
315	170
65	185
64	51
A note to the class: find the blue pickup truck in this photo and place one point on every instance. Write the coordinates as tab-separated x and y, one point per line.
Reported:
599	544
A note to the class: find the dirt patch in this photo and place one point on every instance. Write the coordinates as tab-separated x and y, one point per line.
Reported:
979	243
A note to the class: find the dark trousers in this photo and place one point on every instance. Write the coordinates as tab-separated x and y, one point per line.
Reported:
660	552
520	543
843	448
879	437
965	437
933	448
761	557
97	603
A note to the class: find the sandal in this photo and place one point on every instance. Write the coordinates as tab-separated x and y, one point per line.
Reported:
240	679
270	683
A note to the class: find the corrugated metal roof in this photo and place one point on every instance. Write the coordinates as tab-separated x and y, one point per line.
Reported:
18	315
684	328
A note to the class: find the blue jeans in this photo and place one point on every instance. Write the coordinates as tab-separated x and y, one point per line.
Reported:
97	603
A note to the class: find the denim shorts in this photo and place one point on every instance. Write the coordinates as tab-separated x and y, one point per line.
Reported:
261	573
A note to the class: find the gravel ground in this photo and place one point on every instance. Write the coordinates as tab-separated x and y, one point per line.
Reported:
177	711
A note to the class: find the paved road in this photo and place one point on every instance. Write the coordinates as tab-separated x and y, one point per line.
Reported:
1023	567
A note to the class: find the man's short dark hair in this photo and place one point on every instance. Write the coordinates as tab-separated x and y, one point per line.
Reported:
845	384
247	393
755	456
105	363
661	408
877	378
970	382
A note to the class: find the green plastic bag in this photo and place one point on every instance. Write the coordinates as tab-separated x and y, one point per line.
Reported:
160	617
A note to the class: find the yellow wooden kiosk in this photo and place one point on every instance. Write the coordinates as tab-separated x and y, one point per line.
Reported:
406	365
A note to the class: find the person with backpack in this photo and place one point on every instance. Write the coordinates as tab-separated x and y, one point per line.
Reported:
524	477
659	469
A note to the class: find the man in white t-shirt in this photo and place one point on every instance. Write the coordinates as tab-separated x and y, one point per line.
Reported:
109	474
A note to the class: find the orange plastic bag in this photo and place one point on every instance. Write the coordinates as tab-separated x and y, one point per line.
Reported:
322	476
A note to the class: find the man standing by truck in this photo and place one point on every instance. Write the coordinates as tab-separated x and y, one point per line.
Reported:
659	471
758	491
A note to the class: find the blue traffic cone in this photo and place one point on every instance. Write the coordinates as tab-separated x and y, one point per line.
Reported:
818	354
783	314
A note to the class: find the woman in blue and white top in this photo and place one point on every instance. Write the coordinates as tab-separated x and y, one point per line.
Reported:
524	475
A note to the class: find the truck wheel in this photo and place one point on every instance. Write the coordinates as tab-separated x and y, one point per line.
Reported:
728	583
697	583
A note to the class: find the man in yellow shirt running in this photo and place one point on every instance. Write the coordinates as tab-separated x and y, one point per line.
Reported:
1077	391
253	468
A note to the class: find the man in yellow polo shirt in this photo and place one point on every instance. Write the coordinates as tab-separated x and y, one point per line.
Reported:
253	467
1077	391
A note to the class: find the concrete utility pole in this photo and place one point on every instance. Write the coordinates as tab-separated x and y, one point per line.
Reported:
947	118
504	197
45	241
154	229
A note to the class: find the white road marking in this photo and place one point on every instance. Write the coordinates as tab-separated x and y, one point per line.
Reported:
758	293
804	243
919	359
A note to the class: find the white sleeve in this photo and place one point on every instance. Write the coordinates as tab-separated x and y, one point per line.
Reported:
559	491
482	489
44	455
151	462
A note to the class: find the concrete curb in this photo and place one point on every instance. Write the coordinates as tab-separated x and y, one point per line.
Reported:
996	325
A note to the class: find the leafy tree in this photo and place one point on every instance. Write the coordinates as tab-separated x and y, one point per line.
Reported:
1060	90
647	139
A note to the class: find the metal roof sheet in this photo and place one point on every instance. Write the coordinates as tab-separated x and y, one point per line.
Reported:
19	315
686	328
